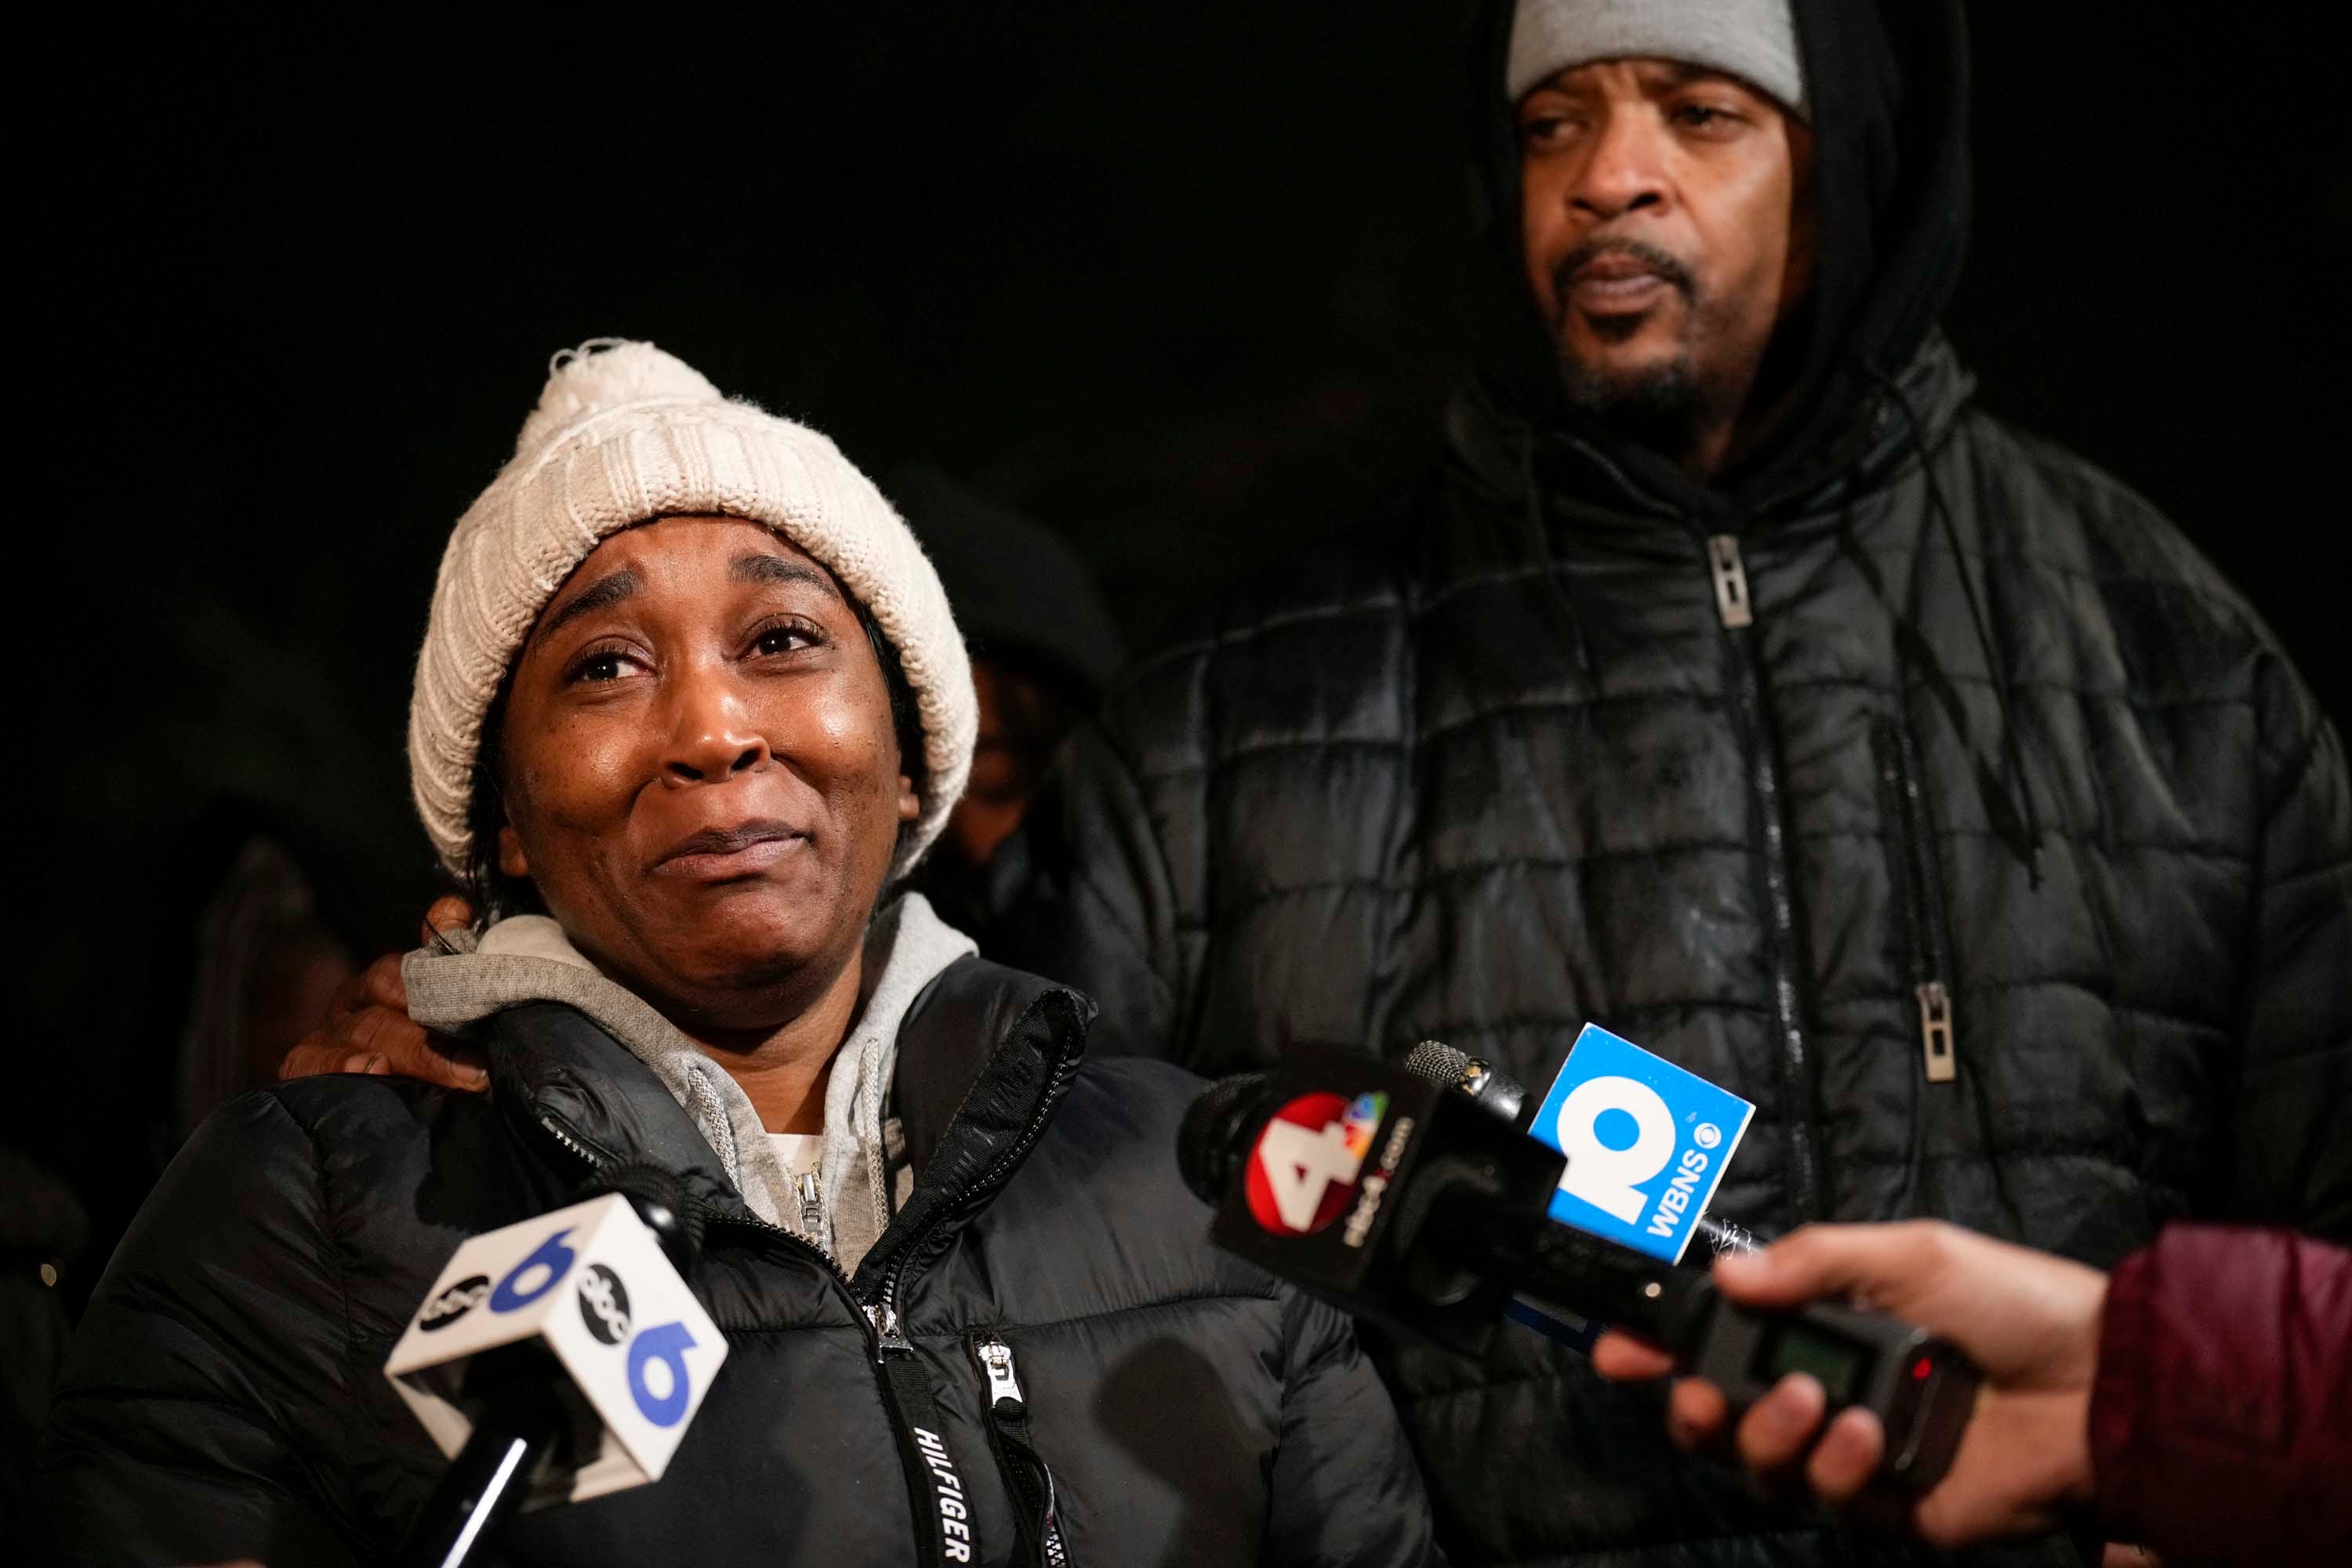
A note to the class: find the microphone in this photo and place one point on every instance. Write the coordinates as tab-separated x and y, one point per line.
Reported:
1403	1202
557	1359
1444	1202
1493	1090
1497	1092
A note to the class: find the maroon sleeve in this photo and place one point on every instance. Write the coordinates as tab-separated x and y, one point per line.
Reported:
2221	1418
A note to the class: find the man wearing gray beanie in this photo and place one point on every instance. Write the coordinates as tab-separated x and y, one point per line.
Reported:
1665	261
1738	683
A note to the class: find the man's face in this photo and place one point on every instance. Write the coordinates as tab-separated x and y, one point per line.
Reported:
1669	232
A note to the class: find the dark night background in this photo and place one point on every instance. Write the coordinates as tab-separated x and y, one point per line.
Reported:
1181	282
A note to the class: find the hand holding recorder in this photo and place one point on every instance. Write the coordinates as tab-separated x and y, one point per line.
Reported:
2030	1322
2198	1400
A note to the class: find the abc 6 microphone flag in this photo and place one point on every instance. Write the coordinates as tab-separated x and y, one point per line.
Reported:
590	1283
1646	1142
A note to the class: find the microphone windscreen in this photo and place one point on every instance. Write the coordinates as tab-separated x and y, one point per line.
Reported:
1207	1145
1434	1061
660	1200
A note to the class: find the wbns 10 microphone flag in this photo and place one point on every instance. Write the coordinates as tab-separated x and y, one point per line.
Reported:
588	1286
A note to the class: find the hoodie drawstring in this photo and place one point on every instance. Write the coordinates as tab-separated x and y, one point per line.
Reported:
2004	813
2017	820
1559	596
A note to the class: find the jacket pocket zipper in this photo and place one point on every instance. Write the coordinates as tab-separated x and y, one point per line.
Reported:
1912	860
1037	1509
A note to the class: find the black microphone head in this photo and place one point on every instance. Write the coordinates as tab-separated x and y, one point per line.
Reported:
1210	1145
1434	1061
659	1197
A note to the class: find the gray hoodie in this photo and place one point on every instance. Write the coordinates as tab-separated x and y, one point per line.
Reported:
527	957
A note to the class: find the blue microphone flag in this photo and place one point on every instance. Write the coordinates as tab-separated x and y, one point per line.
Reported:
1646	1142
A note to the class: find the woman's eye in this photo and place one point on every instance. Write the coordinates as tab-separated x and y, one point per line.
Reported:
600	667
782	639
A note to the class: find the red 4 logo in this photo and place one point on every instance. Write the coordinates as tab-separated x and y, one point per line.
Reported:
1303	1171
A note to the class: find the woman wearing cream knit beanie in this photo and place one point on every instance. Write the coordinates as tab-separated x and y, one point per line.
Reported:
623	434
662	647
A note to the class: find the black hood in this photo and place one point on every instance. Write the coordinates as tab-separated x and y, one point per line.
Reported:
1018	589
1887	81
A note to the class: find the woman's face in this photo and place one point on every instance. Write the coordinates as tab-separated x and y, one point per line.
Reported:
700	772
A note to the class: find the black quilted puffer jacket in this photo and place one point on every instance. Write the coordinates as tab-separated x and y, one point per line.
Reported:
226	1398
1447	782
1913	738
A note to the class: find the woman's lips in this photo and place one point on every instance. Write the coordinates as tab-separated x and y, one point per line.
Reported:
716	854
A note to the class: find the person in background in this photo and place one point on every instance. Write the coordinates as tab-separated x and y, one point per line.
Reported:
268	961
1044	647
2198	1400
227	956
1737	681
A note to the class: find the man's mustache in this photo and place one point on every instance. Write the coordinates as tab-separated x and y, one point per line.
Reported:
1649	256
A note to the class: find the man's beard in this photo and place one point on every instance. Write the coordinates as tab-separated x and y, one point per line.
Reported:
1660	407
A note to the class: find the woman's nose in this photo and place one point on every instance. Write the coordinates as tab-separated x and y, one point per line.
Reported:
712	736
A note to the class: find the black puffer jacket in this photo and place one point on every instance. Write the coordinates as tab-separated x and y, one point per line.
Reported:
1384	799
1915	720
224	1396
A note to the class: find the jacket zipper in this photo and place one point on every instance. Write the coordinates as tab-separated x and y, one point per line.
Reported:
812	1203
890	1341
880	1319
1025	1470
596	1160
1913	862
578	1149
883	1333
881	1311
1731	602
886	1301
1736	610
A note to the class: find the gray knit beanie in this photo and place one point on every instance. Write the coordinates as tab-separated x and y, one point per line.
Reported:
623	434
1755	40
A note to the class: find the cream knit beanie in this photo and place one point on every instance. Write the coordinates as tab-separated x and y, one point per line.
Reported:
623	434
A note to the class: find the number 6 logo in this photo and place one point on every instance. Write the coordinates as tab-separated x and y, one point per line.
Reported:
551	1255
663	1347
